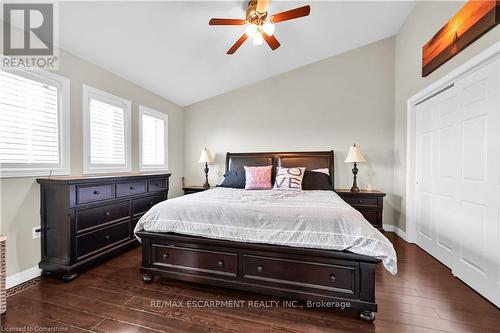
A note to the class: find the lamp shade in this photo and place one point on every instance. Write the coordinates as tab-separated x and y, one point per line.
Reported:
355	155
205	156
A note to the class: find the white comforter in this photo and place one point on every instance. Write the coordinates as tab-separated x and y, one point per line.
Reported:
310	219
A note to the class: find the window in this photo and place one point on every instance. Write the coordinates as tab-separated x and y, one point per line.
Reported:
153	127
34	124
106	132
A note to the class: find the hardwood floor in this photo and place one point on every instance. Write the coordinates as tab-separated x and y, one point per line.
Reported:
422	297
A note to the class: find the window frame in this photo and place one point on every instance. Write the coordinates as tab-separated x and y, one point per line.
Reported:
89	168
143	110
63	115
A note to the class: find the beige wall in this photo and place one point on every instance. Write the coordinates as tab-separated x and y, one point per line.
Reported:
424	21
19	199
359	96
330	104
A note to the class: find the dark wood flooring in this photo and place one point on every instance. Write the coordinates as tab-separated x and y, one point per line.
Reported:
422	297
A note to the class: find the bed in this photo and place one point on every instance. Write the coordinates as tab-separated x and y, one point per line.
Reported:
300	245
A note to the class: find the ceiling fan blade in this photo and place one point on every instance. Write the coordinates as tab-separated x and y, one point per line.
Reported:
262	6
291	14
224	21
238	43
271	41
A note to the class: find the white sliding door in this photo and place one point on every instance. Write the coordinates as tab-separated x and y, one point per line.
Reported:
457	172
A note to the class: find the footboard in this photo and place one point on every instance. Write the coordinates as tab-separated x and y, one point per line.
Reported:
322	278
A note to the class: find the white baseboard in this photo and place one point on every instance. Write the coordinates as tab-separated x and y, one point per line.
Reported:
16	279
393	228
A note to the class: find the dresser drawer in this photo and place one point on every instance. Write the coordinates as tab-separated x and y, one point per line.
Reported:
93	217
308	275
102	238
95	192
157	184
142	205
130	188
196	260
362	201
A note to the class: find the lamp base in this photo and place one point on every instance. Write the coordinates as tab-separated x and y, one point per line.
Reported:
355	187
206	185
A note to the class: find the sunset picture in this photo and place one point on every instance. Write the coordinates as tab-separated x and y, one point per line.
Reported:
471	22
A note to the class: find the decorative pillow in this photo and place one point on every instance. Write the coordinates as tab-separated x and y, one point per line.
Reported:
234	179
314	180
326	171
289	179
258	178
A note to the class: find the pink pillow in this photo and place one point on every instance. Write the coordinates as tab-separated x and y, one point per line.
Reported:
258	178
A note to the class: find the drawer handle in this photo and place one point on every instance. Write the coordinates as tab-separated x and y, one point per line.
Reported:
157	185
220	263
165	255
260	269
96	192
107	238
151	203
131	188
108	214
332	277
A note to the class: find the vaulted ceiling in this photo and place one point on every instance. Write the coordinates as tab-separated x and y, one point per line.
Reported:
169	48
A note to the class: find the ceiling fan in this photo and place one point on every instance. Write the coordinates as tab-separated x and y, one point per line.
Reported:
260	27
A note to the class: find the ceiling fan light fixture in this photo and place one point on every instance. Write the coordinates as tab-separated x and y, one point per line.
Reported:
251	30
258	39
268	28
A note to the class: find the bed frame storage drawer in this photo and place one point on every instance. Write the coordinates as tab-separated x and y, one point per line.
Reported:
94	192
309	275
102	238
284	271
130	188
86	220
97	216
196	260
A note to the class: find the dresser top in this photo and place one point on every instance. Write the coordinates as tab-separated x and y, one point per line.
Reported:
94	178
361	192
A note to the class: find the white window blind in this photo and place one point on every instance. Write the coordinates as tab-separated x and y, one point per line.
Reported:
153	131
30	121
153	140
107	133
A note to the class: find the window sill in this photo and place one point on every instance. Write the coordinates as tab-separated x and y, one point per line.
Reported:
27	173
108	170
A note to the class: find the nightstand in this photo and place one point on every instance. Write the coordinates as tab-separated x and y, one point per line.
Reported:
193	189
369	203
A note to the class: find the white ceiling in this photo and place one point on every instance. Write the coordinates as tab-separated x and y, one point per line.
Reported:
169	48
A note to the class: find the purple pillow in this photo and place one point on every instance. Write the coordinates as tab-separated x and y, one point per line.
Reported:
258	178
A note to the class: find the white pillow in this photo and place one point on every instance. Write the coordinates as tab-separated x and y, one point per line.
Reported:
326	171
289	179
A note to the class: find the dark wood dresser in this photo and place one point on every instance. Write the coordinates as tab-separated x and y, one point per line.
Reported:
368	203
86	220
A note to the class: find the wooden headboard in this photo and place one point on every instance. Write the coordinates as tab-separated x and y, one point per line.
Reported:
310	159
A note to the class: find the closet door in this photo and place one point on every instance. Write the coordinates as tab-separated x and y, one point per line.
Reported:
458	179
479	218
437	171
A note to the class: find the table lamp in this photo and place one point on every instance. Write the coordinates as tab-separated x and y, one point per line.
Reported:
355	156
206	157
